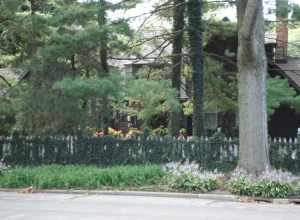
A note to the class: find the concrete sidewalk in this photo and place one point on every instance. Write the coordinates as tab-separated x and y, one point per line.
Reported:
40	206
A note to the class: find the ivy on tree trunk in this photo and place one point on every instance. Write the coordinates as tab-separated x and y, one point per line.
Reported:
194	9
178	29
103	41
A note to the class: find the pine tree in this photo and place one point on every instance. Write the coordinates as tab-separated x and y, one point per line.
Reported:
55	40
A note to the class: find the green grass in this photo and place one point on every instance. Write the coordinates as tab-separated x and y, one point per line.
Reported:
81	177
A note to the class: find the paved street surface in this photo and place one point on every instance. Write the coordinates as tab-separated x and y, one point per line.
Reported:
84	207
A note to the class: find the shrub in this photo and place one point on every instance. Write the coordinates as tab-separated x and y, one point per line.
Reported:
263	188
270	184
241	186
189	177
86	177
189	183
297	189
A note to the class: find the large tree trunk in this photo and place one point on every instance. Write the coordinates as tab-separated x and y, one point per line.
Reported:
252	66
32	47
98	116
178	26
196	55
103	41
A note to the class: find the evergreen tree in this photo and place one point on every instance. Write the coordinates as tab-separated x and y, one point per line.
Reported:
56	40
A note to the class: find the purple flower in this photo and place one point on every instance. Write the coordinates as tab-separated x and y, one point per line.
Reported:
177	169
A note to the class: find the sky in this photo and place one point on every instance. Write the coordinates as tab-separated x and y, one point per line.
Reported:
141	10
147	6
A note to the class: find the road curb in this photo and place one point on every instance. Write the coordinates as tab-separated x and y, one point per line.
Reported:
208	196
221	197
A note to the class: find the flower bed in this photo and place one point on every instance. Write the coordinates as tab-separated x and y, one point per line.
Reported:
270	184
189	177
178	177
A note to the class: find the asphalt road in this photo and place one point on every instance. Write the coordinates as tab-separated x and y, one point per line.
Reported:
15	206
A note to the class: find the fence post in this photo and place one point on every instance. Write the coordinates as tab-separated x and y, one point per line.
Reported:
1	147
298	134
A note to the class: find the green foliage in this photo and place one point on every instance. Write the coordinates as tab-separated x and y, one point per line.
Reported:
151	98
7	116
282	8
81	177
103	88
220	88
297	189
295	12
59	43
222	29
187	107
261	188
46	112
222	94
189	183
52	110
279	92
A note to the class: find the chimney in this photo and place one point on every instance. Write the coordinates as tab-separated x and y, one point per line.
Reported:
281	30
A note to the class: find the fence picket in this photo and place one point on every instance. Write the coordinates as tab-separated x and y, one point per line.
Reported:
107	151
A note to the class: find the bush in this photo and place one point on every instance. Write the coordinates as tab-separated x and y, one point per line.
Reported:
297	190
190	178
189	183
241	186
264	188
272	184
85	177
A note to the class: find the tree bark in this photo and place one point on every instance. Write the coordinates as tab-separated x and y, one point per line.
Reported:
98	117
252	67
178	26
103	41
194	8
34	4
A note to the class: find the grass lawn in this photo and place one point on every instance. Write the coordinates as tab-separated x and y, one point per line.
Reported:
81	177
147	177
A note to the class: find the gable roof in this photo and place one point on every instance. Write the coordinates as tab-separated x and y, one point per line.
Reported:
9	75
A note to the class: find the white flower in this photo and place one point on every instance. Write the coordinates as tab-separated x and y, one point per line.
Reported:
177	168
268	175
278	176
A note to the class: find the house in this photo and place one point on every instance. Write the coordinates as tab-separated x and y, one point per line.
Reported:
9	77
285	121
